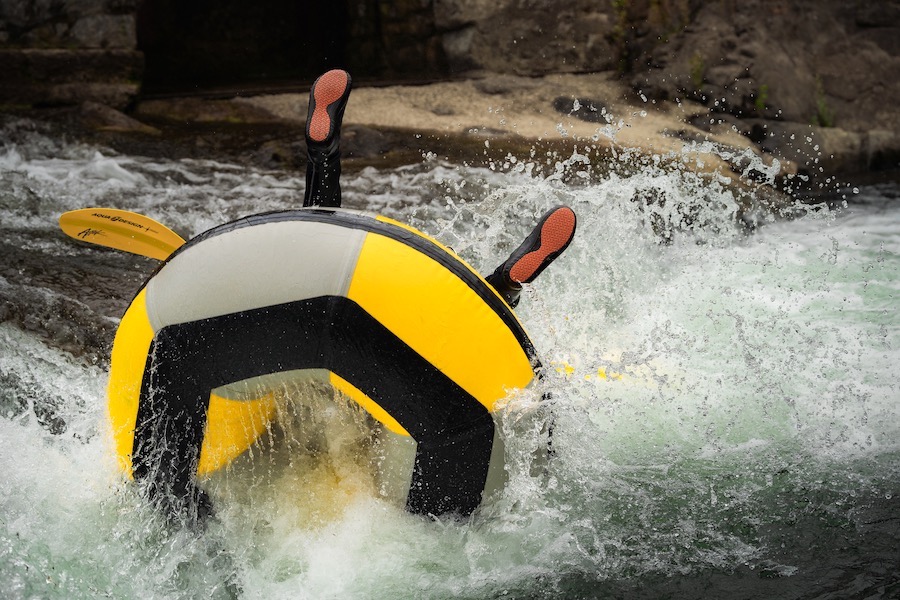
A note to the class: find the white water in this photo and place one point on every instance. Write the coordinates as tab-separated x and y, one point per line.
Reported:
752	391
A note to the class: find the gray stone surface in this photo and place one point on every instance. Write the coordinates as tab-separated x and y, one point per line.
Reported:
771	68
104	31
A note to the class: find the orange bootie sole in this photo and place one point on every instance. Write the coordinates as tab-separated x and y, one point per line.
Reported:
548	240
328	97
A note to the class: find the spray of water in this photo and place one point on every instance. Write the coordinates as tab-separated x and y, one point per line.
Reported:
710	392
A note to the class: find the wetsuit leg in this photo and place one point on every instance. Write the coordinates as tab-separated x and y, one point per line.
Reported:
327	100
550	237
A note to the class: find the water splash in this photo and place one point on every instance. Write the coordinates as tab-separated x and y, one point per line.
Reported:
718	400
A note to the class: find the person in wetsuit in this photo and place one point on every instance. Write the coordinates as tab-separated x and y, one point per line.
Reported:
327	101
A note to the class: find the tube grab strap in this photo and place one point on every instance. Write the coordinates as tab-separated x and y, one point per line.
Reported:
453	431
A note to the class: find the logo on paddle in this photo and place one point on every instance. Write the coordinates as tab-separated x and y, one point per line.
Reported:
87	233
118	219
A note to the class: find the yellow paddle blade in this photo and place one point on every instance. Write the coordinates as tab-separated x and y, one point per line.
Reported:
122	230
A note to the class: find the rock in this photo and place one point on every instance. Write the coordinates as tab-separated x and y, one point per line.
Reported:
458	49
56	76
809	80
105	118
775	71
274	154
105	31
882	149
525	38
455	14
199	110
876	13
72	24
118	95
358	141
827	149
797	62
503	84
855	77
586	109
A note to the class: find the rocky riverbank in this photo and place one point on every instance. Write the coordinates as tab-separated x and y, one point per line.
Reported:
480	120
729	89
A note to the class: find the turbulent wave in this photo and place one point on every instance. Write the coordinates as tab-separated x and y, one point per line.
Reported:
724	405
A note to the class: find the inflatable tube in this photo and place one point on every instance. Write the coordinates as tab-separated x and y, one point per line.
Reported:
380	311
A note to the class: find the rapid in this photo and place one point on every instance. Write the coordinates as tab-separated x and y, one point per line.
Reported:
724	401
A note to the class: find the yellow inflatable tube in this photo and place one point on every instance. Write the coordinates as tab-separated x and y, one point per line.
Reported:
380	311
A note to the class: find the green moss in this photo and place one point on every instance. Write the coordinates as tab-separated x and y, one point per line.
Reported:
762	96
698	70
824	116
14	108
620	8
618	35
620	11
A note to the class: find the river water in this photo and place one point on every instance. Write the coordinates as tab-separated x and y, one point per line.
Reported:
726	405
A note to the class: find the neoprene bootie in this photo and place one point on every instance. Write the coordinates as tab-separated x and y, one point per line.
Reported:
550	237
327	101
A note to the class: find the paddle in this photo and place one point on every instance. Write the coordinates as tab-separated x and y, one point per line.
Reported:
122	230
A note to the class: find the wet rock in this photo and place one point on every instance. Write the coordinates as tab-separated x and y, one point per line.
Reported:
882	150
828	63
200	110
503	84
827	149
105	118
586	109
443	110
364	142
717	122
20	394
279	154
36	284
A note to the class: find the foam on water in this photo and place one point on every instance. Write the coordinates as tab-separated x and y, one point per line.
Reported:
708	387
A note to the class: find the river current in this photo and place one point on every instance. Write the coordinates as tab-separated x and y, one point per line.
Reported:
725	404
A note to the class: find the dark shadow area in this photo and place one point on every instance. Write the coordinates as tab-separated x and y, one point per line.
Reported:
203	45
210	43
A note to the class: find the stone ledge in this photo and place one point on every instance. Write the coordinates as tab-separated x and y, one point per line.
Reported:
37	77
